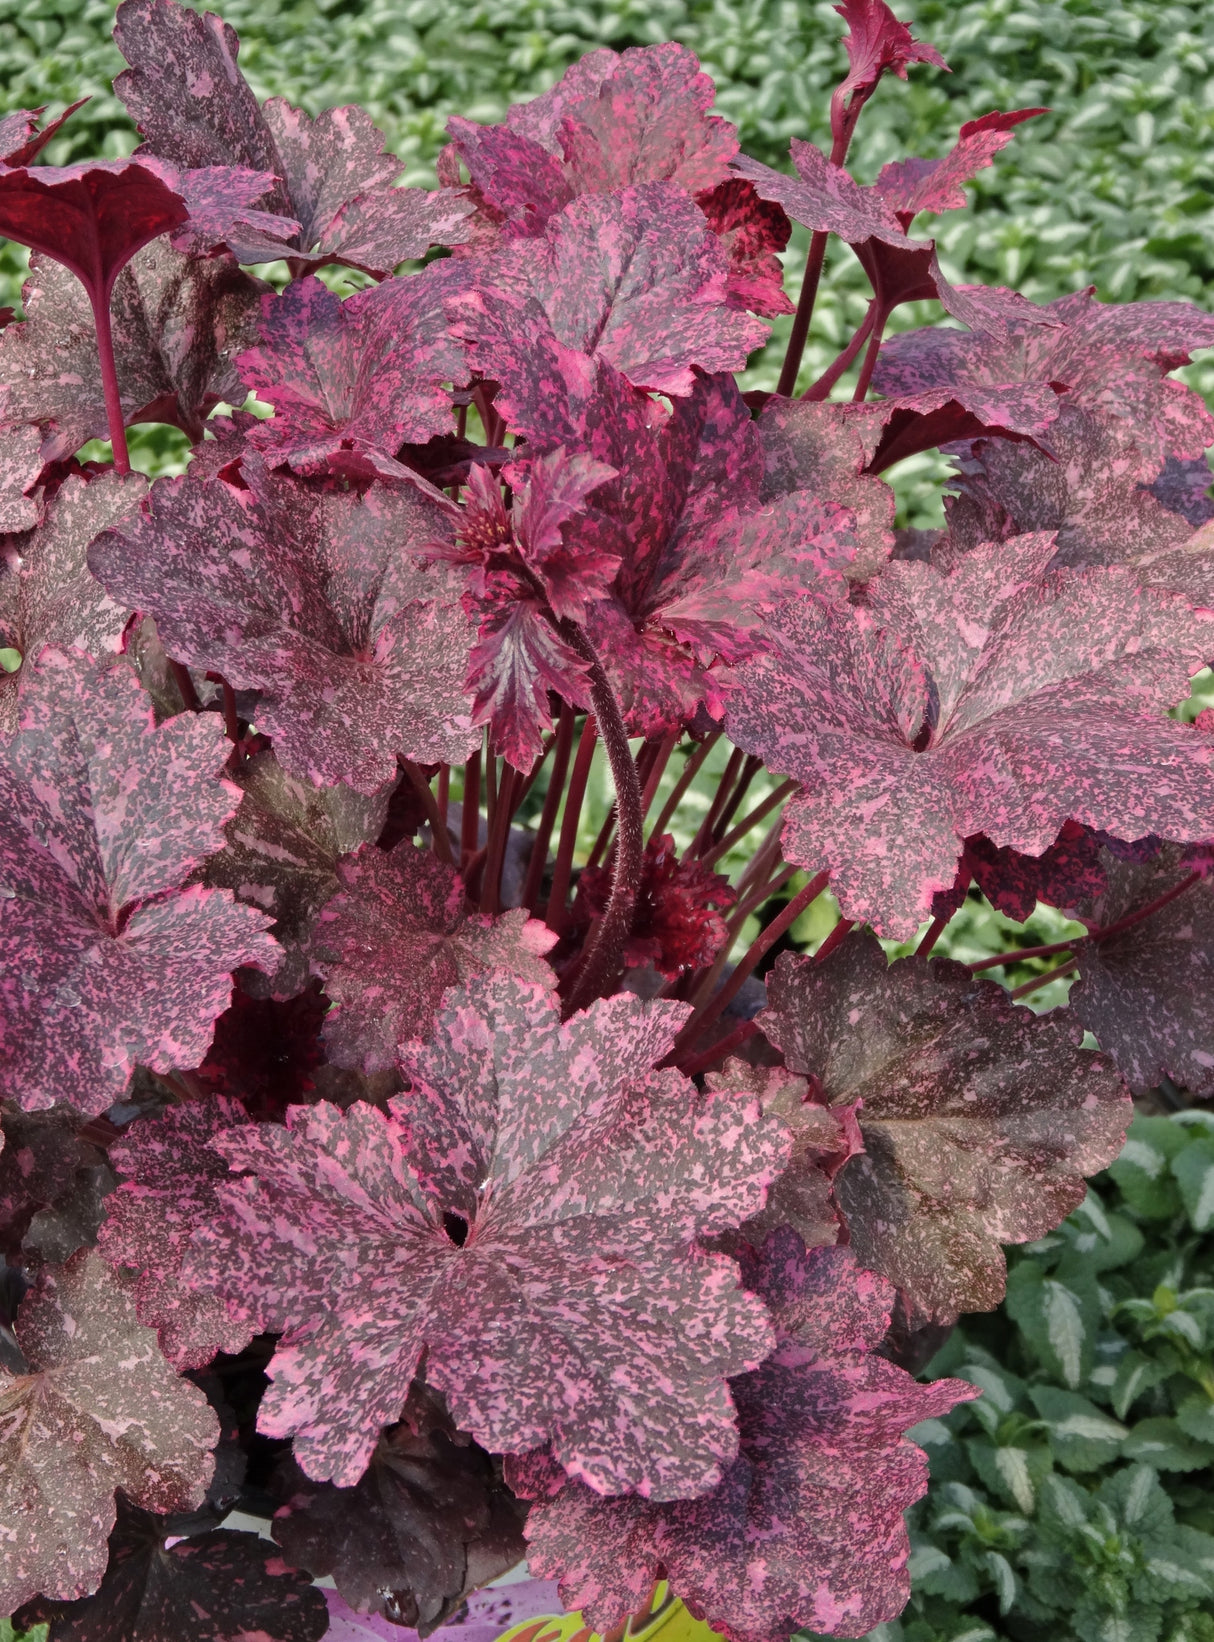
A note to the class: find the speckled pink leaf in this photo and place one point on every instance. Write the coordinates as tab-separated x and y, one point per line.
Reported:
1090	489
877	40
1001	699
398	934
311	596
634	277
1102	358
106	963
822	1141
195	109
612	122
221	1585
820	448
99	1410
20	139
51	597
805	1530
979	1119
427	1523
359	376
751	231
169	1174
527	1209
825	198
281	853
177	323
1065	875
1145	993
911	186
21	464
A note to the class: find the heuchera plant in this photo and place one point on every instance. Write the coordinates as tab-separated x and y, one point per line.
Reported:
369	1162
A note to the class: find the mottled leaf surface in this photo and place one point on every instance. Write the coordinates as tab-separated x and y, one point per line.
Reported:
51	597
979	1119
100	1409
805	1529
310	596
106	962
48	1181
1002	698
1065	875
351	381
429	1521
219	1585
911	186
1144	992
825	198
396	936
752	231
635	277
168	1178
21	463
525	1216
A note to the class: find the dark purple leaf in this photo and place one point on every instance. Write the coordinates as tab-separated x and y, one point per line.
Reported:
752	231
169	1176
100	1409
47	1175
805	1529
1001	699
20	139
177	322
21	464
1184	487
1143	992
108	962
399	933
1065	875
311	596
351	381
979	1119
219	1585
876	40
527	1209
266	1052
428	1522
635	278
50	597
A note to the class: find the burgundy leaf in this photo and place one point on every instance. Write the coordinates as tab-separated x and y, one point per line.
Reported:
805	1529
156	1589
612	122
1101	358
979	1119
195	109
281	853
875	41
822	1141
821	449
549	492
50	597
751	231
527	1209
518	659
676	926
1090	490
100	1409
177	325
46	1173
310	596
1065	875
911	186
825	198
1184	487
394	939
169	1179
1144	992
634	277
108	962
428	1522
223	203
21	464
1001	699
266	1052
20	139
359	376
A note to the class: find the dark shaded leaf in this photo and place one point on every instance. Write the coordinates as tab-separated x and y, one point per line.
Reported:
527	1209
979	1119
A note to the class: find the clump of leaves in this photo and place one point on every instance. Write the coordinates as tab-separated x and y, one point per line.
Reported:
454	1157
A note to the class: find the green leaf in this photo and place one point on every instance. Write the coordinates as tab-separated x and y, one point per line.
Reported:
1058	1318
1136	1375
1082	1437
1142	1171
1013	1472
1195	1417
1163	1443
1194	1169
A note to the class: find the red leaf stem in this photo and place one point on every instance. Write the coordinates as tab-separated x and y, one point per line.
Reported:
562	869
100	303
469	826
1003	958
718	1051
489	766
931	935
836	938
704	831
805	312
820	389
860	393
1042	980
690	770
444	796
750	820
433	809
733	803
499	833
1136	917
189	695
552	801
657	769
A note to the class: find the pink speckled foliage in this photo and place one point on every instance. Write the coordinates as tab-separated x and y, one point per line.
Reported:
816	1494
414	815
111	959
1001	698
308	595
539	1186
979	1120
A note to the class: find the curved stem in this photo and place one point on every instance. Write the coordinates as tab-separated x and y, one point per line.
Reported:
605	949
836	938
870	357
438	824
